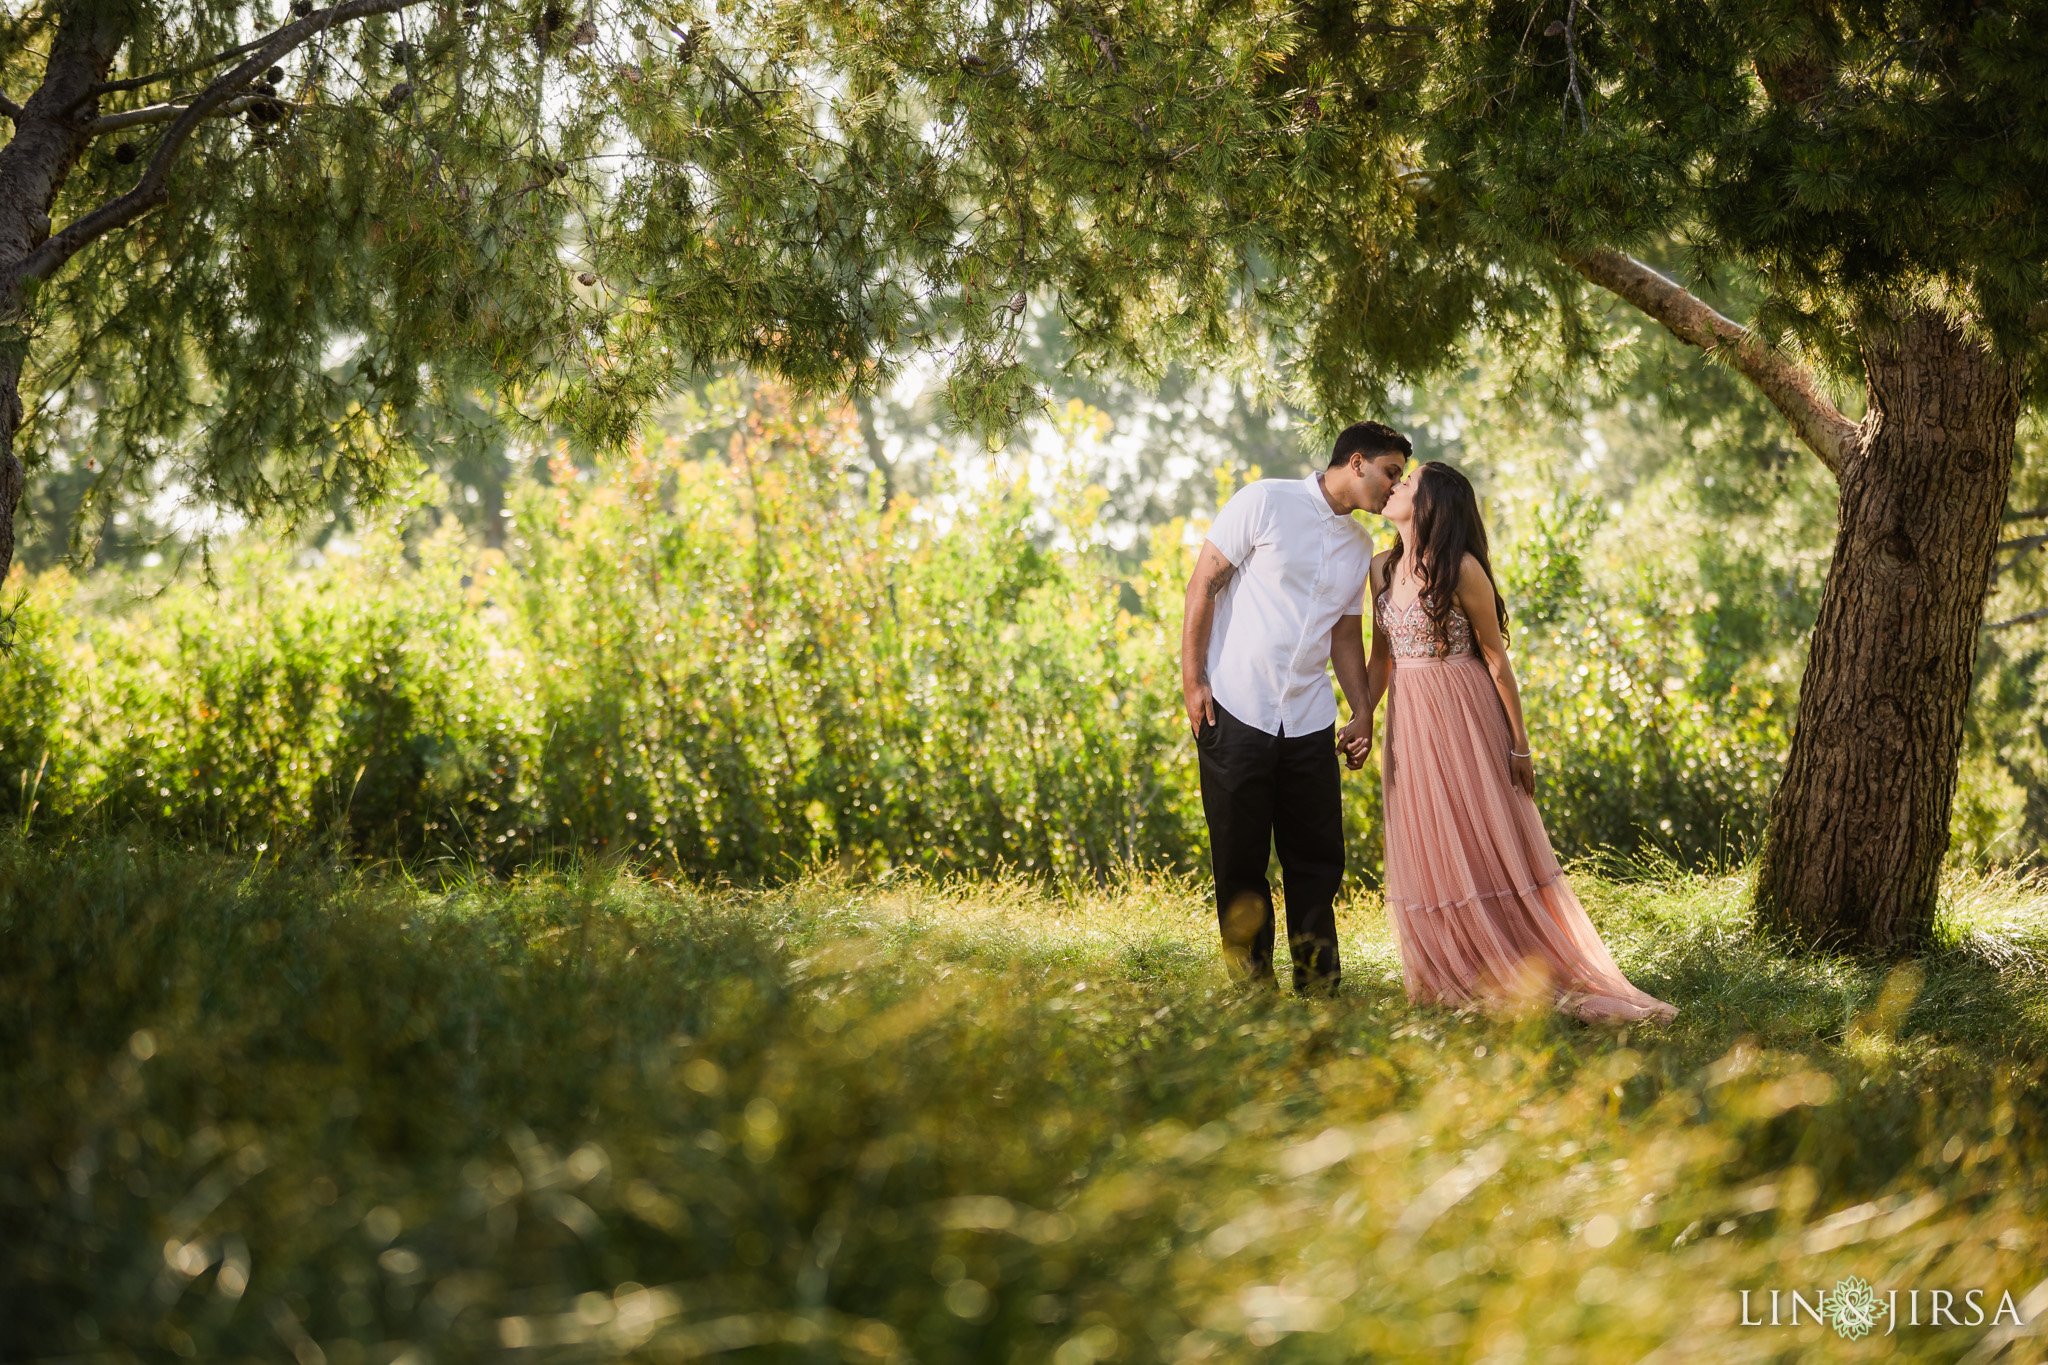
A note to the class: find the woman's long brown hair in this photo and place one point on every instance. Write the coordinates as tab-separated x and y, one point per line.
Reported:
1447	528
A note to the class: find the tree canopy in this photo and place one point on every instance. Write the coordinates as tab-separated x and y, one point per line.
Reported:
284	234
272	248
1344	193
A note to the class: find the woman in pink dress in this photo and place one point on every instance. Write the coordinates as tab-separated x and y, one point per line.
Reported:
1480	909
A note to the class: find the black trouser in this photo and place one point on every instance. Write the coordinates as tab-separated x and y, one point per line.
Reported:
1262	791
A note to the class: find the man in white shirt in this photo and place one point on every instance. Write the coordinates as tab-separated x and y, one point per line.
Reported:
1277	599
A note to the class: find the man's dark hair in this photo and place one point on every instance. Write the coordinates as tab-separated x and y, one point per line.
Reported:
1370	439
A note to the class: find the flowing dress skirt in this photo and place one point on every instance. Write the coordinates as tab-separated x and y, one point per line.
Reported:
1482	913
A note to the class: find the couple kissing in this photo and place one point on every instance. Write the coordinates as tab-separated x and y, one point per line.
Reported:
1482	914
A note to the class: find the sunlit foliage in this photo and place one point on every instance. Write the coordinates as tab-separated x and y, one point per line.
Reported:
739	665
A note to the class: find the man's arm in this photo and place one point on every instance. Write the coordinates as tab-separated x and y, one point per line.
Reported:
1347	659
1198	616
1380	665
1367	680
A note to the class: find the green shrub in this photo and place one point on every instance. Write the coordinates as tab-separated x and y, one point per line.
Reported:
733	668
1651	742
739	667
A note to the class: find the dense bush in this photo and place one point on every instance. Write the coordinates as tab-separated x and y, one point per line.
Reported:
734	667
1651	740
739	665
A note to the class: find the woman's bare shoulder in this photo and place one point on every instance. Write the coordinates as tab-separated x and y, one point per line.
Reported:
1475	594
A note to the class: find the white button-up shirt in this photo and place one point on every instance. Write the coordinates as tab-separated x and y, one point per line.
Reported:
1300	566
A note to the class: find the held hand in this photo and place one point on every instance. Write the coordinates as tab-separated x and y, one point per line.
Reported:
1522	772
1201	704
1355	740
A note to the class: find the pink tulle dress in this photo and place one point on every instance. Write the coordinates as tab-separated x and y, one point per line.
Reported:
1482	913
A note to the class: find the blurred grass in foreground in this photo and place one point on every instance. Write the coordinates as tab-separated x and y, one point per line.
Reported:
264	1113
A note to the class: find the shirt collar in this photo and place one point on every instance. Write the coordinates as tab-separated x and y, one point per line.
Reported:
1315	491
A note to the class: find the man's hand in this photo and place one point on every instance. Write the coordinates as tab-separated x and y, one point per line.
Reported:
1355	740
1201	704
1198	615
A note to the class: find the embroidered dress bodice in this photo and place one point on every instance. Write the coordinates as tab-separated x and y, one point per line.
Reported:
1414	636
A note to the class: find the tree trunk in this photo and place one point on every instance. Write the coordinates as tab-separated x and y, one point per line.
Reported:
1860	823
864	408
50	135
13	478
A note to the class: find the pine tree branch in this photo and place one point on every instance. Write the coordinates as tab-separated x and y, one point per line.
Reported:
1571	52
1102	45
10	108
154	188
2031	514
725	71
1791	387
164	113
2022	620
2019	547
168	73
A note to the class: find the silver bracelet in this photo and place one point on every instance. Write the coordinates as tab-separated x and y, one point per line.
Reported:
1513	754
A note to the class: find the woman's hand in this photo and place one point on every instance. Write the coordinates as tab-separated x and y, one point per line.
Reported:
1355	740
1522	772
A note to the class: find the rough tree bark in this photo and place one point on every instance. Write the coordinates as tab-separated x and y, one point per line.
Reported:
13	478
51	131
1860	821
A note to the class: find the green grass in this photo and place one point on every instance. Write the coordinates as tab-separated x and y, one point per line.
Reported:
254	1112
